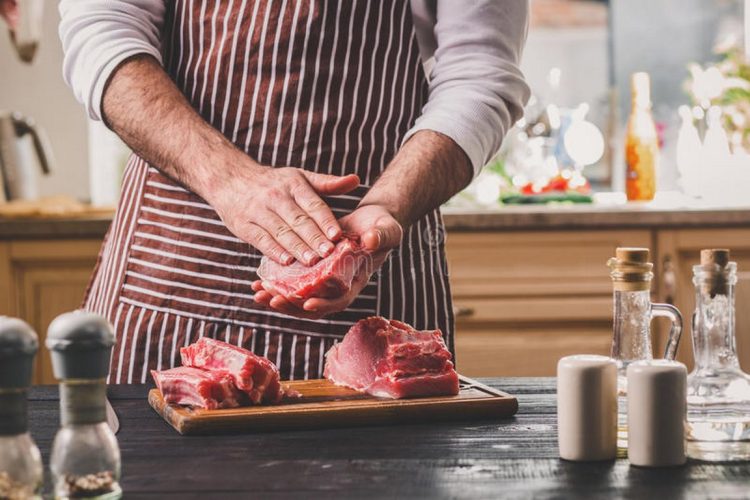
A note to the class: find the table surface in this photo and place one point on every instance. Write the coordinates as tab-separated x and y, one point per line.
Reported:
510	458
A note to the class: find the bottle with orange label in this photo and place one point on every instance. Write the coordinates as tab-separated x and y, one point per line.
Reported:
641	143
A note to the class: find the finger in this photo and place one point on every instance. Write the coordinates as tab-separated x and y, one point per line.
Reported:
263	241
386	233
305	230
262	297
257	286
327	306
326	185
309	201
288	237
281	304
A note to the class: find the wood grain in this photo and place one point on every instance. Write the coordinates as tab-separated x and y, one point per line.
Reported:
325	405
495	458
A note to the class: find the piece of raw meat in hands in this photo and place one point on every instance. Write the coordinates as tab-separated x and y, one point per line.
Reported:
330	277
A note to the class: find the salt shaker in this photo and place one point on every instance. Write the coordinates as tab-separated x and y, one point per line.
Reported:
21	471
587	407
85	459
657	410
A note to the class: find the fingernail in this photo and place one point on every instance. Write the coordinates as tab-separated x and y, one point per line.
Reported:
286	258
309	256
332	232
325	248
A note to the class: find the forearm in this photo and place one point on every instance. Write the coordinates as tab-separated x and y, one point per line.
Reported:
428	169
145	108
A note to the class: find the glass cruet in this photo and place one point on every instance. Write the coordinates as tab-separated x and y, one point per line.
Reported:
85	460
718	427
21	471
632	273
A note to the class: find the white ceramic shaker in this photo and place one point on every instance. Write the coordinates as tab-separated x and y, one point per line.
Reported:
587	407
657	406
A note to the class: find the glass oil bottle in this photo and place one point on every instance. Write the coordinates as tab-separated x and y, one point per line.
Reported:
631	274
718	398
21	471
85	458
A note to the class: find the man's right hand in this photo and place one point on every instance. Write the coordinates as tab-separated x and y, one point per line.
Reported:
280	212
277	210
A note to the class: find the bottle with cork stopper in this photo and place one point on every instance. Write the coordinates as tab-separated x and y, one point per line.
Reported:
85	458
632	272
21	471
718	392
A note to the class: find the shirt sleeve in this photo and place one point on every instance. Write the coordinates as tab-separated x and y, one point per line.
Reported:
476	89
97	35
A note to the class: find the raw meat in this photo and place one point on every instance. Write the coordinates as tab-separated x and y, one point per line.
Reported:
330	277
254	375
195	387
388	358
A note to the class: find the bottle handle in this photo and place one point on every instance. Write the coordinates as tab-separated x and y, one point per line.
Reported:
674	315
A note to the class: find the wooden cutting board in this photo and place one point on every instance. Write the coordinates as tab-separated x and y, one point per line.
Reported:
325	405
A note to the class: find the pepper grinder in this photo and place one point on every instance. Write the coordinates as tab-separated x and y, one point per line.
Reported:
21	471
85	459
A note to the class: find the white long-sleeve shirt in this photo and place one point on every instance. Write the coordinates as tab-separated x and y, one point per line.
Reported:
470	50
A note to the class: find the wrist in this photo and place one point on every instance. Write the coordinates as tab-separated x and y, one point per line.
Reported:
390	206
220	173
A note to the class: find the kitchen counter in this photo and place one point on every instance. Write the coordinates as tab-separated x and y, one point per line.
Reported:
512	458
54	227
528	218
592	216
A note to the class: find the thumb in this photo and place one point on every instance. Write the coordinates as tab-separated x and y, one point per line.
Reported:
331	184
386	234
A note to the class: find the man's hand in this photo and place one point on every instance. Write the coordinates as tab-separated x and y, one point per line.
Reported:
379	233
9	12
279	210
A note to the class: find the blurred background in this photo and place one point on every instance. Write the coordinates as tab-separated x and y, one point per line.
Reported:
637	133
579	59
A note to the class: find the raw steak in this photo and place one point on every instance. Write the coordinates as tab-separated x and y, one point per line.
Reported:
388	358
195	387
329	278
254	375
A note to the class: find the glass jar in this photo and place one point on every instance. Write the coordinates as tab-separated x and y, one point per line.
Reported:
85	460
21	472
631	274
718	390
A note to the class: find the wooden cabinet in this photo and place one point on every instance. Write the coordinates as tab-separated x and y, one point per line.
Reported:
522	299
42	279
525	299
679	251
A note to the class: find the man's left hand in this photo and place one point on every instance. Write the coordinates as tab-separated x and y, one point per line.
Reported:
379	233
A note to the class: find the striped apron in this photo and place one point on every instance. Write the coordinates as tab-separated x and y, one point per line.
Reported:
328	86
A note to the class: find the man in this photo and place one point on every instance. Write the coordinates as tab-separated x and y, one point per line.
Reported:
270	127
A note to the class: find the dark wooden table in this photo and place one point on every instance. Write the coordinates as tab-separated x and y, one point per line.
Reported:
512	458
